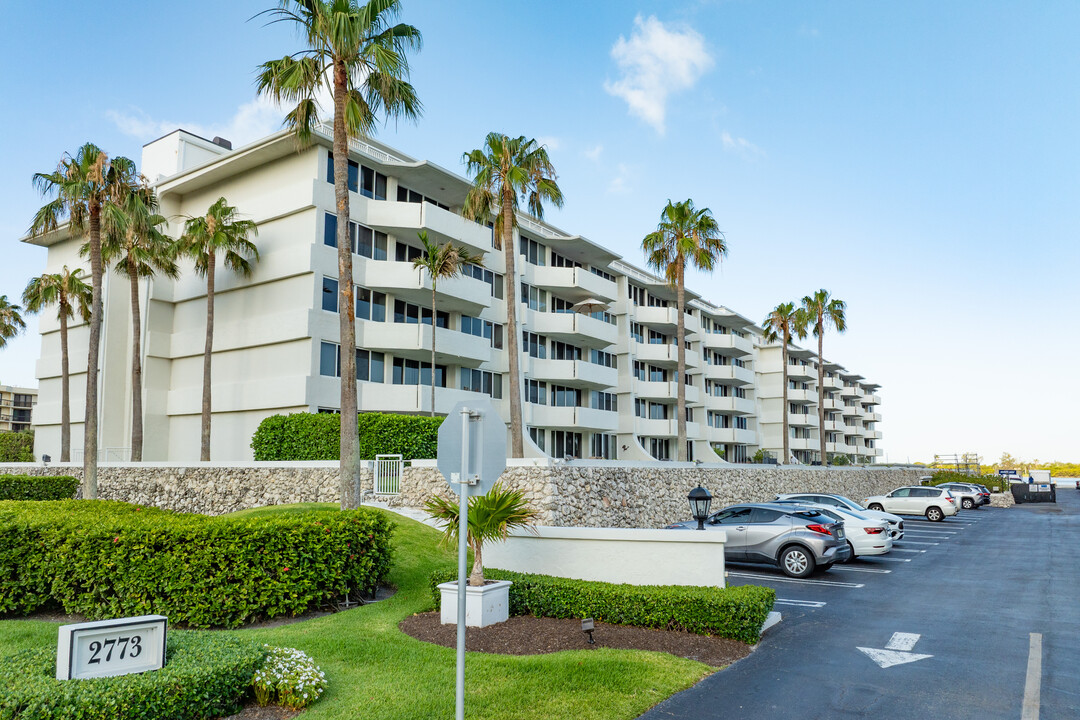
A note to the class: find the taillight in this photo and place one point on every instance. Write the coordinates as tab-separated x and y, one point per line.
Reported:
951	499
819	529
874	531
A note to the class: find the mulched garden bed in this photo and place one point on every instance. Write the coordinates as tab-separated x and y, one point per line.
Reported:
527	635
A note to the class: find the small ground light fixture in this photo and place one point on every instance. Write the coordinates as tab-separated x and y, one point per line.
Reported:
45	459
700	501
587	626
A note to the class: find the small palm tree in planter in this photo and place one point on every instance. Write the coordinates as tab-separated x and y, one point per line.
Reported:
491	518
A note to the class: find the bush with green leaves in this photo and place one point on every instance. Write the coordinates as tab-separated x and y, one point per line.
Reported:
317	436
105	559
206	675
734	612
290	678
16	447
34	487
995	483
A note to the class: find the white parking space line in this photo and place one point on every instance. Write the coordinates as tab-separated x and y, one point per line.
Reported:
1033	683
800	603
896	549
923	525
932	532
848	568
879	558
797	581
916	542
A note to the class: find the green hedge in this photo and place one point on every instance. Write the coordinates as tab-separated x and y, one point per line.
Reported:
16	447
734	612
31	487
206	675
106	559
317	436
995	483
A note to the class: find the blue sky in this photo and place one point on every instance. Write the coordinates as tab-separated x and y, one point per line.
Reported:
917	159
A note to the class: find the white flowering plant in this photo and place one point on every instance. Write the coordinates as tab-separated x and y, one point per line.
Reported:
288	677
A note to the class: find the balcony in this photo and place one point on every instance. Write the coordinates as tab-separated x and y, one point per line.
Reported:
839	448
836	426
804	444
834	383
732	436
728	344
730	374
665	319
833	404
871	399
573	328
871	417
414	341
664	428
802	396
731	404
571	283
442	225
665	355
667	391
572	373
461	294
849	392
571	418
872	435
801	420
386	397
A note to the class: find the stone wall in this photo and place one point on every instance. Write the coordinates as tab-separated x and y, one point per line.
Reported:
584	493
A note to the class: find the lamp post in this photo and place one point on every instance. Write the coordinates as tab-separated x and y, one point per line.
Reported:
700	500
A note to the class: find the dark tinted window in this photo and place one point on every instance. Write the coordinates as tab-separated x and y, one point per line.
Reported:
732	516
764	515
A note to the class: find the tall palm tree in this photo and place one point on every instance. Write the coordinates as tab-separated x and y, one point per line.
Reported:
441	261
356	53
783	323
81	187
68	290
219	232
505	171
823	310
11	322
685	234
135	246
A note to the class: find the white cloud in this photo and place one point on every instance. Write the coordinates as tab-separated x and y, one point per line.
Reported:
656	62
739	145
552	143
593	153
620	184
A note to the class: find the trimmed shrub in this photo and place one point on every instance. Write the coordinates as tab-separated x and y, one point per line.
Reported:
106	559
735	612
317	436
995	483
31	487
16	447
206	675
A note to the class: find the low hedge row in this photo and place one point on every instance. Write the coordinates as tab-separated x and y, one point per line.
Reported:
735	612
31	487
317	436
207	675
995	483
16	447
107	559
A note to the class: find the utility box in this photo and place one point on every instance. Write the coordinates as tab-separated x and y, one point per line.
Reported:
1040	477
1023	492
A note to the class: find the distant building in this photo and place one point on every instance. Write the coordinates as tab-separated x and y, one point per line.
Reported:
598	353
17	408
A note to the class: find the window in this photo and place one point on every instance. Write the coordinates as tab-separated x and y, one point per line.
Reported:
328	360
329	294
689	414
495	280
483	328
605	401
637	294
639	370
537	435
637	332
329	411
765	515
534	297
362	179
404	252
534	345
658	338
536	392
363	240
565	444
406	312
532	251
599	357
660	448
558	260
604	446
558	305
404	194
603	316
657	374
370	305
481	381
640	408
565	397
658	411
564	351
740	422
657	302
416	372
716	420
369	365
601	273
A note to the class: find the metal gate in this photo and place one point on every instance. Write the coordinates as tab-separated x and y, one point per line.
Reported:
388	474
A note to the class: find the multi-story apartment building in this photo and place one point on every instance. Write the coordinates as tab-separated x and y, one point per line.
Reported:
16	408
598	353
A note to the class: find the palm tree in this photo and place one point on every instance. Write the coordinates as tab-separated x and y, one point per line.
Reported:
355	53
136	247
219	232
11	322
441	261
84	184
505	170
784	322
68	290
823	310
685	235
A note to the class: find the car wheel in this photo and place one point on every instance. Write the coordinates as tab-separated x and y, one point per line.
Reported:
797	562
934	514
967	503
875	506
852	549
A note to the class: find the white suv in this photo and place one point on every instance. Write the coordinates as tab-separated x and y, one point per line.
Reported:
933	502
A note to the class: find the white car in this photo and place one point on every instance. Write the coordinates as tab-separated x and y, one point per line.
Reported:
865	535
933	502
896	523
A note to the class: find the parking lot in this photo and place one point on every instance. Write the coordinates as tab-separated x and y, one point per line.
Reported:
977	616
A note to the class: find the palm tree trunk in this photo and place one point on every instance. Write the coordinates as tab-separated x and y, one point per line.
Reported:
680	336
349	468
517	445
65	399
434	324
90	422
821	396
476	576
136	367
207	352
787	425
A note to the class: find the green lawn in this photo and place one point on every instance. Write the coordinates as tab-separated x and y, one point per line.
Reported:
376	671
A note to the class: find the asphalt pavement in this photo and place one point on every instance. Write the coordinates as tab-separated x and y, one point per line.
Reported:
974	617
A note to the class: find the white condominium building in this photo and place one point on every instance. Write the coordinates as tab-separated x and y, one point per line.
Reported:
16	408
598	352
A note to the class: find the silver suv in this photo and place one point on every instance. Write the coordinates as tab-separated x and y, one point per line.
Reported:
796	538
896	524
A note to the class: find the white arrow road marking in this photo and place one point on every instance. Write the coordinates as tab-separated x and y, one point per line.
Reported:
896	651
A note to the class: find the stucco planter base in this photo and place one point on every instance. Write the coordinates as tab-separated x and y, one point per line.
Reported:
485	605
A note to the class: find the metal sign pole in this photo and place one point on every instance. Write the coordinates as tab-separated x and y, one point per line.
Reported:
463	558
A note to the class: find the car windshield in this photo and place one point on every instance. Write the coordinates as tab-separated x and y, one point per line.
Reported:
849	504
808	514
